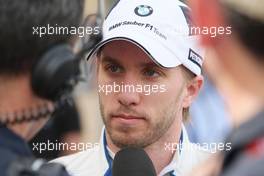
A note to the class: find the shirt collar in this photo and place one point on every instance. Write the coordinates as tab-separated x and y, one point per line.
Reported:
170	169
104	158
14	143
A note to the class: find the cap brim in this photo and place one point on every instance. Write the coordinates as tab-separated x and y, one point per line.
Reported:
153	48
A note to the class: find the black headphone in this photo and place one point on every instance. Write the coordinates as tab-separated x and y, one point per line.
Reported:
52	73
57	70
56	74
53	78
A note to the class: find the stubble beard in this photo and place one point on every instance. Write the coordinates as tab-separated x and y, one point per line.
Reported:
153	132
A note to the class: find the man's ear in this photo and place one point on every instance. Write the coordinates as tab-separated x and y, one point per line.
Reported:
193	87
206	14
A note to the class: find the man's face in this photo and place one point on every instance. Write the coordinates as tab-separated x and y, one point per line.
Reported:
133	118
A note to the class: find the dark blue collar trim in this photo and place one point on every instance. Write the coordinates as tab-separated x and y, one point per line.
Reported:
108	158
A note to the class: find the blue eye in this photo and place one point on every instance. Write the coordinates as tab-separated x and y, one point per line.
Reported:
114	68
151	73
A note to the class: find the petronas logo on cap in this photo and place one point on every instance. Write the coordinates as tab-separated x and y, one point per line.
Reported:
143	10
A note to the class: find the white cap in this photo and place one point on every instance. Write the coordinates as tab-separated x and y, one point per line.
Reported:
160	28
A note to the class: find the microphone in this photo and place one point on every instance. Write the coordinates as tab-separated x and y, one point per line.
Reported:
132	162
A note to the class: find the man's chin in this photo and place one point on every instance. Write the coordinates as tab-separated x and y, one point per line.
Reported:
124	139
126	143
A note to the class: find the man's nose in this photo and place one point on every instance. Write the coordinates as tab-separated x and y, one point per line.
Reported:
129	96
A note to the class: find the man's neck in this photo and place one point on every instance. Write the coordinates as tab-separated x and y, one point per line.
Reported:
16	96
15	93
159	155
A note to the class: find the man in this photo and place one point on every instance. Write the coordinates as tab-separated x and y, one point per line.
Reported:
242	53
22	112
146	46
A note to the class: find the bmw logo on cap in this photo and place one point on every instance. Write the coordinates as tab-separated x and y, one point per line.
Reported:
143	10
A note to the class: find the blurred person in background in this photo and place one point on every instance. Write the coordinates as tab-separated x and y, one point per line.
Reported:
210	120
242	55
22	112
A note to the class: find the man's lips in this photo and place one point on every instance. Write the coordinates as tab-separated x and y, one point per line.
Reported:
126	119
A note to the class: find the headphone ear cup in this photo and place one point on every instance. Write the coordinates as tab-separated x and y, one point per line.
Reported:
53	71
